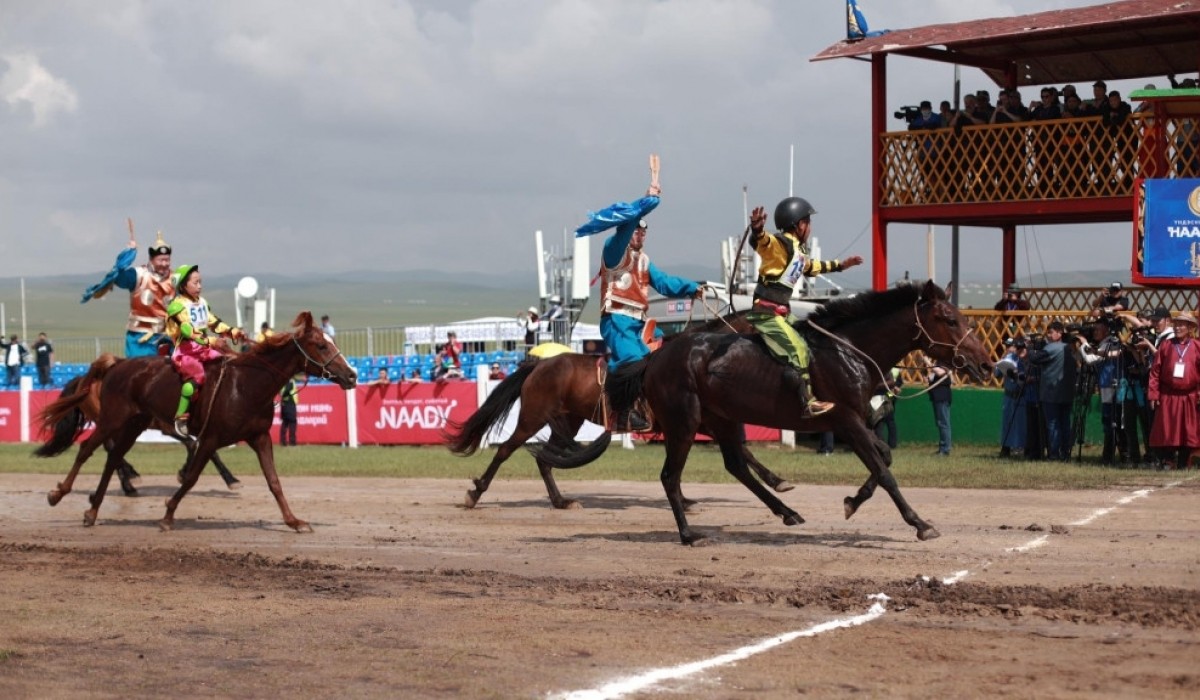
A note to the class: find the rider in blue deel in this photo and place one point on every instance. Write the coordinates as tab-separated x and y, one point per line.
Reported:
626	277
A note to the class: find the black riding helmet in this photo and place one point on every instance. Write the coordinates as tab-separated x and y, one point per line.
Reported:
792	211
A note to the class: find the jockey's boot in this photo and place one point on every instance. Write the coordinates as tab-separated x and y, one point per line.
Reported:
181	413
813	407
631	421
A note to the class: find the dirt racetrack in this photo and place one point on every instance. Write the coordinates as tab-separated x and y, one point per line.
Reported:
400	592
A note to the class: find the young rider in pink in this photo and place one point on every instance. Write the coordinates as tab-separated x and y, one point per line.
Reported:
190	323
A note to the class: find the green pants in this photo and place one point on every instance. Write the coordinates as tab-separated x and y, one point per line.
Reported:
781	338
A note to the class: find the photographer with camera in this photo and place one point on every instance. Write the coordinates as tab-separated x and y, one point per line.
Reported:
1057	390
1110	302
1013	368
1111	361
1174	393
923	119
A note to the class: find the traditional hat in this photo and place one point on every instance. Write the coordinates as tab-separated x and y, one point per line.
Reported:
160	247
1185	317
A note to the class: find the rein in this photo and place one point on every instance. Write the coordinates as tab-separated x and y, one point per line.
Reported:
920	332
213	398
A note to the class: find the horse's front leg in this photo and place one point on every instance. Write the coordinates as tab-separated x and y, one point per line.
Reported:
734	455
262	446
862	439
851	504
678	447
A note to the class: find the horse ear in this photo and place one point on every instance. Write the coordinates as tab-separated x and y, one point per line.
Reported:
930	291
304	321
950	290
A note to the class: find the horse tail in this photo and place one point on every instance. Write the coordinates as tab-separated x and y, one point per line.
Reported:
624	385
63	419
569	454
464	438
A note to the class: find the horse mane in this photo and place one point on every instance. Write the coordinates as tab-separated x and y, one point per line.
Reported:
303	322
866	306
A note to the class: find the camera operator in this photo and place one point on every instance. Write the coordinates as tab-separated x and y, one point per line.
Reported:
1174	392
1111	301
1056	392
1013	368
1110	360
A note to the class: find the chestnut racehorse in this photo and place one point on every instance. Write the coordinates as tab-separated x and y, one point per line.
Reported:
235	404
721	381
561	391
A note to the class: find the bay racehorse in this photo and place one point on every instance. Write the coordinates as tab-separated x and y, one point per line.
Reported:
724	380
72	422
561	391
235	404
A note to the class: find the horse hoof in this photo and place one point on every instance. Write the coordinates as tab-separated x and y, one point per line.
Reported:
234	485
784	487
89	518
571	504
699	541
793	519
848	506
929	533
54	497
130	492
301	526
471	499
166	525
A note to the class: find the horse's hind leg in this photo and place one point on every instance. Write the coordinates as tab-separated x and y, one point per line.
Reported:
116	455
85	451
862	439
770	478
231	481
735	464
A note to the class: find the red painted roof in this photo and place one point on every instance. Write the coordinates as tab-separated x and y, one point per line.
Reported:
1118	40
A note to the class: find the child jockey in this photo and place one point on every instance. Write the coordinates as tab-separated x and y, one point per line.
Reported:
189	322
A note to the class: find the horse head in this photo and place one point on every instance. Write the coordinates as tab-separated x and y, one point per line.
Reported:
946	335
322	358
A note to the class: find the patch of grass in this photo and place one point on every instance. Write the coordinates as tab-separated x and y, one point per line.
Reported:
8	655
914	466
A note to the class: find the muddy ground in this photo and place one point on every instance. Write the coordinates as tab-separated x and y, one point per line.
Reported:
400	592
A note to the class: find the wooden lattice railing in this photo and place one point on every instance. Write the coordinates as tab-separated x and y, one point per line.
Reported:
1140	298
992	327
1062	158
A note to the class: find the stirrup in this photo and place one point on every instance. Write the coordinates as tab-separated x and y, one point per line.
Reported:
632	422
818	408
181	426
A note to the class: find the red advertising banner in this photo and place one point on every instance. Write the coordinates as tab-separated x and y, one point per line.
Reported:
37	401
10	416
412	414
321	416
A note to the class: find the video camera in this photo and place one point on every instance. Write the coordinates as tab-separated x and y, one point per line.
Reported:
908	113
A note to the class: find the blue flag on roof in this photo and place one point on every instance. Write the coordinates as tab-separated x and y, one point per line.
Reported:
856	23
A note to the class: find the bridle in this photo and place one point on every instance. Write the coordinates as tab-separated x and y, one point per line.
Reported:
958	360
323	366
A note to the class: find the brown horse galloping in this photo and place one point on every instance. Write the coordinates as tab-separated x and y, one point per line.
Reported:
723	381
562	391
236	404
72	422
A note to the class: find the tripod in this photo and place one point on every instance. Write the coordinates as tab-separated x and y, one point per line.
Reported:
1017	406
1085	384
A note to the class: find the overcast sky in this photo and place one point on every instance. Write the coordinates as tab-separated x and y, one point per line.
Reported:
269	136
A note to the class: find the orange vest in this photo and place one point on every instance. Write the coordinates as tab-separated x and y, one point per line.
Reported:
148	302
624	289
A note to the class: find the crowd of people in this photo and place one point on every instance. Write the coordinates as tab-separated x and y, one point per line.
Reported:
1056	157
1144	367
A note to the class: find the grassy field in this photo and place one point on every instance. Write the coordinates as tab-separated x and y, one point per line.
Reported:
914	465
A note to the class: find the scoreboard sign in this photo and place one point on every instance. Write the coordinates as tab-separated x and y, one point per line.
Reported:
1166	232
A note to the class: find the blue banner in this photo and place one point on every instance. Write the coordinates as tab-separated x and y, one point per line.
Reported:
1171	243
